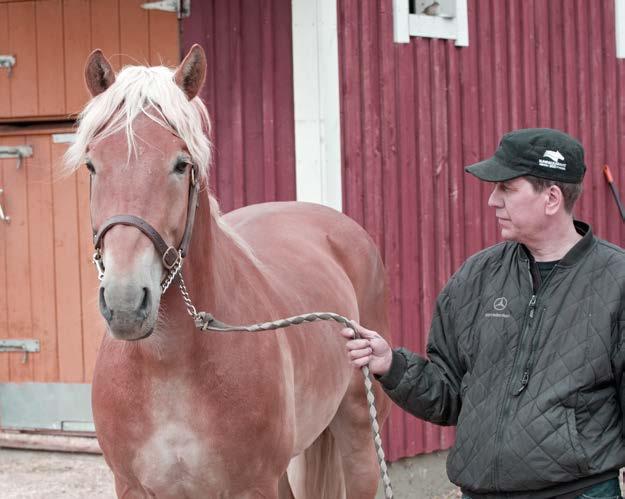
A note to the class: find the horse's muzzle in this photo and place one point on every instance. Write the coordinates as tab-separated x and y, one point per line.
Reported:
127	311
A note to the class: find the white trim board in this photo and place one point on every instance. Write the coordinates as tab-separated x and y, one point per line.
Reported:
316	102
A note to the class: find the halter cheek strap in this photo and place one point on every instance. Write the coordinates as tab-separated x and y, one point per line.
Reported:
170	256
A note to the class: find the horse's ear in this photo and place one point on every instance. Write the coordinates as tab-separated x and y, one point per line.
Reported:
99	74
191	72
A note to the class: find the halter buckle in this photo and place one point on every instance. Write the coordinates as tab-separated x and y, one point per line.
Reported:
171	257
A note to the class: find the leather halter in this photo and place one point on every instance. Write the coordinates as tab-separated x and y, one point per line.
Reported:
170	256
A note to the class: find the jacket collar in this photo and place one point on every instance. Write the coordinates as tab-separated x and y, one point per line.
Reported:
576	253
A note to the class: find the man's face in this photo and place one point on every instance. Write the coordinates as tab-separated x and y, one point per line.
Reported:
520	210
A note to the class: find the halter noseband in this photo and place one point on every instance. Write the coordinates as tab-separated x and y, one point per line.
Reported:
170	256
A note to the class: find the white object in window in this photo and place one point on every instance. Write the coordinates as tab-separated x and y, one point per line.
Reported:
433	19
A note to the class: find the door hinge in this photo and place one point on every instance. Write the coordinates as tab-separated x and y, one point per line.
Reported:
182	8
7	61
19	152
19	345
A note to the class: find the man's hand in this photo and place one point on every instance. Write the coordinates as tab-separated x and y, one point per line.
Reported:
370	349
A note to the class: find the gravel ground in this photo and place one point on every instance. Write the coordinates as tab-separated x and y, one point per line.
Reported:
51	475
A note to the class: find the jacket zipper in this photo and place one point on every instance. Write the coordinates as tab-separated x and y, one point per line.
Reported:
506	402
525	377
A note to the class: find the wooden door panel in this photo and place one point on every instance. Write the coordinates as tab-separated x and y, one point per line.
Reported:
67	271
18	289
51	40
48	286
38	173
5	88
50	61
23	45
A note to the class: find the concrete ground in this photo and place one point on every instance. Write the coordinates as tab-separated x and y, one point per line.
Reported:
51	475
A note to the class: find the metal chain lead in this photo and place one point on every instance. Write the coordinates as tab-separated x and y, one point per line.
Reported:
206	322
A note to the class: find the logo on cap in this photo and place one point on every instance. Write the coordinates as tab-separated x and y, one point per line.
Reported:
555	160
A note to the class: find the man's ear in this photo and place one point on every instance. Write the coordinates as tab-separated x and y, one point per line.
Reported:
555	200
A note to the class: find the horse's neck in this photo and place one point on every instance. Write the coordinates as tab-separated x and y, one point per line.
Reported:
219	272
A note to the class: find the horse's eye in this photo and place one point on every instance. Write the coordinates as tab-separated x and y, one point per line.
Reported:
90	167
181	167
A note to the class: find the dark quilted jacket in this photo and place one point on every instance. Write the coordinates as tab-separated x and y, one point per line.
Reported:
533	380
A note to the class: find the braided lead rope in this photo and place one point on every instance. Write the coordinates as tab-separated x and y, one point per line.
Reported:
206	322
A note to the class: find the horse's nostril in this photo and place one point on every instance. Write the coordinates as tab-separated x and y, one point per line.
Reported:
104	309
145	303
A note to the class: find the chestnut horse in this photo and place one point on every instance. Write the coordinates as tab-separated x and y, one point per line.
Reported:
181	413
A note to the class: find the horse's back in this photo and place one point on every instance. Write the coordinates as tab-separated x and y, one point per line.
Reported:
287	235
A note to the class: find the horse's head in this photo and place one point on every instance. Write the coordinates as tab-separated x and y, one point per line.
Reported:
142	137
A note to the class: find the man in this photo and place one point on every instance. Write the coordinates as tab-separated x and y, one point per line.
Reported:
526	350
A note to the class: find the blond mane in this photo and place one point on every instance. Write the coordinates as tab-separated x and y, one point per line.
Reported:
150	91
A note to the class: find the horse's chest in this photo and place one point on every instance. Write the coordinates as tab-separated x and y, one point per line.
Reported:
176	461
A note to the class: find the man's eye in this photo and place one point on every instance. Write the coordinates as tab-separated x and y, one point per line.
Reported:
90	167
181	167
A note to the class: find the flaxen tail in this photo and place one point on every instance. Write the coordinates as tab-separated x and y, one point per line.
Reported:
317	473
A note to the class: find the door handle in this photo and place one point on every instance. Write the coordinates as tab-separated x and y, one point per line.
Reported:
3	217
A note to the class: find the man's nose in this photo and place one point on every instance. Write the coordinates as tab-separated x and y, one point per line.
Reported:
494	200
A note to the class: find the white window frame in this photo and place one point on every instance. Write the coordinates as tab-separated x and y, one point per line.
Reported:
406	24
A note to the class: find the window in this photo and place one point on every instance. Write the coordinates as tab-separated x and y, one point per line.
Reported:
433	19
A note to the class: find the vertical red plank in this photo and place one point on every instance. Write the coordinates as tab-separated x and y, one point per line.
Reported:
528	30
238	82
5	80
23	45
543	63
424	63
514	64
585	118
105	30
350	14
556	62
570	75
226	106
609	151
284	126
67	282
596	152
4	290
489	138
164	39
251	100
41	261
268	102
409	165
50	61
370	125
471	132
500	68
454	192
134	33
17	255
390	171
77	46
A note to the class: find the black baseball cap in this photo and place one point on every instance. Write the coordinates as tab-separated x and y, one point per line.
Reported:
539	152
